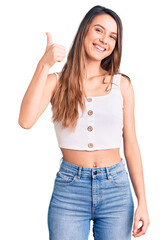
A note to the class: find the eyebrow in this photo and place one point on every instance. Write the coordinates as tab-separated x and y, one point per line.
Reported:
104	28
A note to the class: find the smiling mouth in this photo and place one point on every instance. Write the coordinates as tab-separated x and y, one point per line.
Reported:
100	49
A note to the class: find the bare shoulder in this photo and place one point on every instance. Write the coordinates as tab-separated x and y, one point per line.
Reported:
52	79
126	86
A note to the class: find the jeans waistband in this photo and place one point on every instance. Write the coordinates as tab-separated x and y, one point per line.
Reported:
110	170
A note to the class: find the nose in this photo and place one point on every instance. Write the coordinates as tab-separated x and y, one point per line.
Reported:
104	39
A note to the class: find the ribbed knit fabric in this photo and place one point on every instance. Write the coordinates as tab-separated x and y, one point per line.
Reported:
100	127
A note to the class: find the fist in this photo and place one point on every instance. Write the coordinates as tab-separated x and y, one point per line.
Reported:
54	52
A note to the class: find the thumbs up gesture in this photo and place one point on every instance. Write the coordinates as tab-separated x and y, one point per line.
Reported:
54	52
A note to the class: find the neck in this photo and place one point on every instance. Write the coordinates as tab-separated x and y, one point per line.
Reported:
93	68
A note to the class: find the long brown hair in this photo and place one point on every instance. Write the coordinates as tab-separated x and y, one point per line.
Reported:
69	91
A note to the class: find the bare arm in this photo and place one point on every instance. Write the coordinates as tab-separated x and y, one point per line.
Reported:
32	98
133	157
40	89
131	147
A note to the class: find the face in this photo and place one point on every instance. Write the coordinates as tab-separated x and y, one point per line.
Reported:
101	37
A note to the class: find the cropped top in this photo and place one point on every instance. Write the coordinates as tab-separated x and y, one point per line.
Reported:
100	127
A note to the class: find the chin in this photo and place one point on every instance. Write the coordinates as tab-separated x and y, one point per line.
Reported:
99	58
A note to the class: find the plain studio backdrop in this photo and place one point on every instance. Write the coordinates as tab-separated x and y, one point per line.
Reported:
29	159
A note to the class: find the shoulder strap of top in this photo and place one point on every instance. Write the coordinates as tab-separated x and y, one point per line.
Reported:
57	75
116	80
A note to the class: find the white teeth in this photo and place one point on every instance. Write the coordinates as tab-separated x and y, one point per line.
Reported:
100	48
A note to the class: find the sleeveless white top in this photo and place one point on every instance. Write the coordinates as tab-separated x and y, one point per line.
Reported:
100	127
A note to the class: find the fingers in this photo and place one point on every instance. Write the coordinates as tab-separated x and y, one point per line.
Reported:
137	232
58	46
49	39
141	214
54	52
59	52
135	227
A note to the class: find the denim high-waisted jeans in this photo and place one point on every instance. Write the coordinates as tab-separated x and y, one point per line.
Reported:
82	194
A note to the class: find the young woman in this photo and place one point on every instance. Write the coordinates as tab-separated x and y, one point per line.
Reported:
93	109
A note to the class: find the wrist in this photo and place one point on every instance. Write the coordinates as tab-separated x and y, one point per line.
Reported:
142	202
43	64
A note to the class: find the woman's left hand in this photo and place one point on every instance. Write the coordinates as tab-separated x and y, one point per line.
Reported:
141	214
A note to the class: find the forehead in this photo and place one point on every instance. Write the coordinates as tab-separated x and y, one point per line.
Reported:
106	21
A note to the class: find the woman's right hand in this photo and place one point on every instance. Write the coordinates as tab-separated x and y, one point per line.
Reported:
53	53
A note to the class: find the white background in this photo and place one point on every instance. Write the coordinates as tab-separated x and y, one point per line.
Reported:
29	159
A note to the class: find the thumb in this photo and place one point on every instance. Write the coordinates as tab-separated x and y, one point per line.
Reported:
49	39
135	227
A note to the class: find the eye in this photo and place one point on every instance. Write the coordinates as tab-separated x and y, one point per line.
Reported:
113	37
98	30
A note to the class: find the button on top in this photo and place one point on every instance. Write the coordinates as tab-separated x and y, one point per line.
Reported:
89	99
90	145
95	172
90	128
90	112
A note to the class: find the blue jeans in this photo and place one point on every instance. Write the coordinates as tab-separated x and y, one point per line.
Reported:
82	194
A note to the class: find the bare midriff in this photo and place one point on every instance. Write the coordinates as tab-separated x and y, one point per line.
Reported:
92	159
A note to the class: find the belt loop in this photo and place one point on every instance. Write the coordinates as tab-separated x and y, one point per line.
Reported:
79	172
122	160
61	160
108	174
